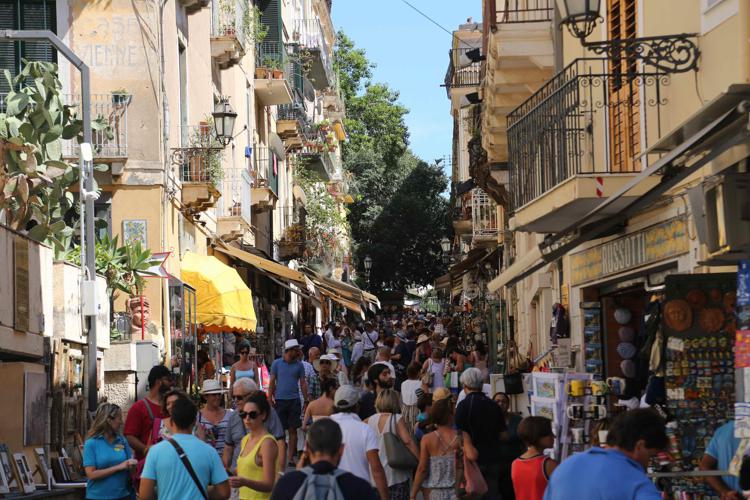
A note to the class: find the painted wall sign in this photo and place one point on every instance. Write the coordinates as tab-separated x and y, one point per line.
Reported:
652	244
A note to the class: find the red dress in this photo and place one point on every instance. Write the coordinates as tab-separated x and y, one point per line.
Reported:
529	477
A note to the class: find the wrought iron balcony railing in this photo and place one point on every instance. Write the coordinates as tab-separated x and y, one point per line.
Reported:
265	167
587	119
524	11
235	194
463	70
114	110
228	20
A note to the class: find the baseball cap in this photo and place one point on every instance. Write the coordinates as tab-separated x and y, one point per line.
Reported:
346	396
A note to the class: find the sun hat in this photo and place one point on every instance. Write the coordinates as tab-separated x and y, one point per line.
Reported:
346	396
422	338
441	393
291	344
326	357
335	352
212	386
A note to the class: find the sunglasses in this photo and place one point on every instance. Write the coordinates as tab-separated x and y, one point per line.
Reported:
249	414
325	362
238	397
244	352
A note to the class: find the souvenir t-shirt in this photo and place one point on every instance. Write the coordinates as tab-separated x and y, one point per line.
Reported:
101	454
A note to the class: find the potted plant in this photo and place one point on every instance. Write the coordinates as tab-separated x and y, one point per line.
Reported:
274	66
121	97
324	125
261	73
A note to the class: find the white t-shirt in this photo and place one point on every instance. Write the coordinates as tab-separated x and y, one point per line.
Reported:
486	388
358	438
409	391
357	351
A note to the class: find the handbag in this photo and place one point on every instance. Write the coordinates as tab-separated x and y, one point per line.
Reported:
472	486
397	454
513	383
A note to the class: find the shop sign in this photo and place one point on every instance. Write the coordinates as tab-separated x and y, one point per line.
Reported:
649	245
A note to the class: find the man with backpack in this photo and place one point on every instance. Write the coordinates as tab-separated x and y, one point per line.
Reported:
140	419
321	479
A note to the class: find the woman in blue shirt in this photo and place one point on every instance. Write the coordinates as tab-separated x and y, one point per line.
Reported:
107	457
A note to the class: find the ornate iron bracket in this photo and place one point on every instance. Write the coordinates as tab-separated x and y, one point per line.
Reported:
668	54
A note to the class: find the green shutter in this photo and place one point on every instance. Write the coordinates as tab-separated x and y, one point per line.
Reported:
271	17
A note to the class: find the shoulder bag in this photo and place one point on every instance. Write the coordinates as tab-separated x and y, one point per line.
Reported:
428	376
186	462
135	474
397	454
474	483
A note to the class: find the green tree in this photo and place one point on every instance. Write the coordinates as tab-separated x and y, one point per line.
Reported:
352	66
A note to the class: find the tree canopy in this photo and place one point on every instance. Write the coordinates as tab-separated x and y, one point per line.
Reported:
399	215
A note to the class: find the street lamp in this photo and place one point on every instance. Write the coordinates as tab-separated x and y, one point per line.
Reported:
668	54
445	244
224	117
368	266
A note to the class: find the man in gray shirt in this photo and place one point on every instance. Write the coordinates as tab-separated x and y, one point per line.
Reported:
236	428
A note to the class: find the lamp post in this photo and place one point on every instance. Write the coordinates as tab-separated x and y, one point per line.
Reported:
668	54
224	118
368	267
445	245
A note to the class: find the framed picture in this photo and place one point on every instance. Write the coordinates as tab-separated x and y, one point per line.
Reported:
24	473
42	463
6	463
135	230
35	408
546	385
4	486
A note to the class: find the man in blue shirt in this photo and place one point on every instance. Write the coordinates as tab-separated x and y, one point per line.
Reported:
719	454
164	468
617	472
287	379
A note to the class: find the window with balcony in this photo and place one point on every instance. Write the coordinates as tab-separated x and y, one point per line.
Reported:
483	218
524	11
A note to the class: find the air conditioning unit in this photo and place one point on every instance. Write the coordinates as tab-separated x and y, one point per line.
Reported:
723	222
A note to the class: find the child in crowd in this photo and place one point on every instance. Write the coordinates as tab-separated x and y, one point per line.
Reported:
424	403
531	471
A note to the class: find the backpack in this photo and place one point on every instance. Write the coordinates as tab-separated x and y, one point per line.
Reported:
320	486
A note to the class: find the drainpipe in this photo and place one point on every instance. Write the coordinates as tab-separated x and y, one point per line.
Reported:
87	175
167	320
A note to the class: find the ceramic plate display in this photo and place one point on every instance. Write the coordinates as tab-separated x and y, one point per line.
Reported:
696	299
626	334
678	315
711	320
628	368
626	350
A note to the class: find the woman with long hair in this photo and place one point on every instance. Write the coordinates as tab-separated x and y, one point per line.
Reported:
107	457
323	406
161	431
257	462
388	419
437	458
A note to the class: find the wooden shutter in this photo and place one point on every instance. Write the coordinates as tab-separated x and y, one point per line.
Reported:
624	98
7	49
271	17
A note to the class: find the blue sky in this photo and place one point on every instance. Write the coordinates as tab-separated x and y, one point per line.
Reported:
411	55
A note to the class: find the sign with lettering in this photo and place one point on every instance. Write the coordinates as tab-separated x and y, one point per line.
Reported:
649	245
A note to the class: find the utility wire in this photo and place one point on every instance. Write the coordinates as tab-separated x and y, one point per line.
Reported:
437	24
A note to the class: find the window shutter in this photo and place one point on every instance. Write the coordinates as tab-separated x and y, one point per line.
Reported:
624	98
7	49
271	17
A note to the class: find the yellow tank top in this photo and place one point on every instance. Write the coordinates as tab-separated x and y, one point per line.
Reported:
247	468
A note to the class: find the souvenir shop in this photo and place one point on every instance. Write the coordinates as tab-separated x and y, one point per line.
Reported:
653	337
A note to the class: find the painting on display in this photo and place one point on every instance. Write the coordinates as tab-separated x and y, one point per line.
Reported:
6	464
135	230
24	473
35	408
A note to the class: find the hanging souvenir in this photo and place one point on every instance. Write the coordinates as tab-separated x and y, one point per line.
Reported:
626	334
711	319
626	350
623	315
678	315
697	299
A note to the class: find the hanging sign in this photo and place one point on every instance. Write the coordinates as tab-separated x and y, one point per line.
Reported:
649	245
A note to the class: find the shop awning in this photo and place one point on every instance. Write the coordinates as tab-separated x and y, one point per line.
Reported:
265	265
345	291
711	140
473	258
224	302
356	308
443	282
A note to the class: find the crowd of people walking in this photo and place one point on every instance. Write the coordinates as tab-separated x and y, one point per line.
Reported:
392	409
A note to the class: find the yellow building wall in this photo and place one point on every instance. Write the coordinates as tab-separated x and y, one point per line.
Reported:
12	411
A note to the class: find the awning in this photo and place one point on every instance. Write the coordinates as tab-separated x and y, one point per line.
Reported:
265	265
276	145
346	303
473	258
224	302
443	282
728	129
348	293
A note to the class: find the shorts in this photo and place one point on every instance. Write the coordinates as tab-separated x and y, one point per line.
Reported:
289	412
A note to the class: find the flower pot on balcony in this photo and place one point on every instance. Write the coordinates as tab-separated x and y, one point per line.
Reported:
121	99
195	169
261	73
235	210
277	74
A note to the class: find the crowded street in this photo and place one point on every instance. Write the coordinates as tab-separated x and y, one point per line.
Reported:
407	250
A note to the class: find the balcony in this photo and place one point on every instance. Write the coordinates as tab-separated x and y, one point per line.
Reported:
264	179
229	31
520	59
193	6
334	106
464	73
110	146
233	210
578	140
308	35
273	73
290	122
199	168
462	222
484	222
320	161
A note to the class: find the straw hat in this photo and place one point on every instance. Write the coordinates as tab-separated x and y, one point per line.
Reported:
326	357
422	338
441	393
212	386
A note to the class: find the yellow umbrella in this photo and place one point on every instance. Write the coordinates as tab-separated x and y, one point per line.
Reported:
224	302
